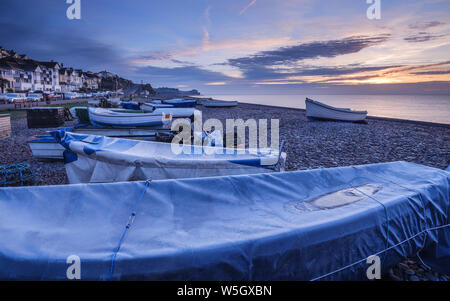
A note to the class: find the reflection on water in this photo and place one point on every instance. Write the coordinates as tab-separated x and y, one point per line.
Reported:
432	108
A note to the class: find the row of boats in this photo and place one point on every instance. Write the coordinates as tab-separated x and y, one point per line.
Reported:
140	211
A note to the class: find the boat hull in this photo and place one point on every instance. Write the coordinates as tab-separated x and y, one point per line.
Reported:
180	103
101	117
318	111
219	104
94	159
263	227
176	112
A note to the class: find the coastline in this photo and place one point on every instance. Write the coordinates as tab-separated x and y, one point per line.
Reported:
368	117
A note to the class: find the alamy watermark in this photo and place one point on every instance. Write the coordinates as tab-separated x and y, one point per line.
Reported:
374	270
73	272
374	10
235	136
74	10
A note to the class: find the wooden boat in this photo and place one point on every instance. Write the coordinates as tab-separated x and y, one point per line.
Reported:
121	118
260	227
219	104
321	111
180	103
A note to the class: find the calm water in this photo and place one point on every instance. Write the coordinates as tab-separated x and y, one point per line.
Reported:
432	108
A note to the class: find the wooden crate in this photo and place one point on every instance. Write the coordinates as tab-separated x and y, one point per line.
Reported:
45	117
5	126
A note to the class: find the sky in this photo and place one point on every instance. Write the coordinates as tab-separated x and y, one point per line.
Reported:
244	46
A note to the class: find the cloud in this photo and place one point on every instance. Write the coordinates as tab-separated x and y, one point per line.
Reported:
264	64
73	50
182	74
253	2
207	14
432	72
422	37
425	25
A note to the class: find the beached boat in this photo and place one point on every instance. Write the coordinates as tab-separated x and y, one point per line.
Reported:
117	118
219	104
278	226
46	146
176	112
180	103
102	159
321	111
129	105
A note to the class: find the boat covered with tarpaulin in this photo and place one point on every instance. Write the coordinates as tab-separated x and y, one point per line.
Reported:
94	159
305	225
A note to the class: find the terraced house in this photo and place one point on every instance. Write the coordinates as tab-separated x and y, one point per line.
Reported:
91	80
50	76
23	75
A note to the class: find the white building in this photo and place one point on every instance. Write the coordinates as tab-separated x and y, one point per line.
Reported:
50	76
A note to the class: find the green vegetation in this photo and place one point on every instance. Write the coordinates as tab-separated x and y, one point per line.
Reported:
15	114
70	105
22	113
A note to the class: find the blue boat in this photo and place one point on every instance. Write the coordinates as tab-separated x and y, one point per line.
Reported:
180	103
128	105
306	225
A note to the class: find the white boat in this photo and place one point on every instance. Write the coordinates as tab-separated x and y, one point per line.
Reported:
73	111
321	111
120	118
176	112
219	104
46	147
97	159
148	105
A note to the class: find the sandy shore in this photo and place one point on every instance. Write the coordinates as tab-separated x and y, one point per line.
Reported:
308	145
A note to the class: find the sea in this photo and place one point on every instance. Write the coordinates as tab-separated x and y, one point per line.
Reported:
430	108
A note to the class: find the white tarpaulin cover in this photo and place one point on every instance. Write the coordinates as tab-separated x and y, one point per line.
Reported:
99	159
304	225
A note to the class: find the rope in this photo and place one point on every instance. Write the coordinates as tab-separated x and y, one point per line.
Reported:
128	226
425	231
387	219
394	246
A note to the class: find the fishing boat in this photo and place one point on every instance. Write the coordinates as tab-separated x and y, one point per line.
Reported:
180	103
219	104
176	112
129	105
46	147
93	159
149	106
119	118
303	225
320	111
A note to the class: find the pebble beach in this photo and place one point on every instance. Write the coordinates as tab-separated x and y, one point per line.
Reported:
308	145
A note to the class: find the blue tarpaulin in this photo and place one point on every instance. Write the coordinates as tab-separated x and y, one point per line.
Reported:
305	225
